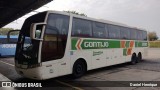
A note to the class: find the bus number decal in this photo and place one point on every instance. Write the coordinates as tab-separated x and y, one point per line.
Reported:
97	53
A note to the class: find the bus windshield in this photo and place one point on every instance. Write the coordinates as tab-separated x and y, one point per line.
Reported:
27	49
51	47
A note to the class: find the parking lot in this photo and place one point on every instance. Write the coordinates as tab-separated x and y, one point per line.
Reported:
147	70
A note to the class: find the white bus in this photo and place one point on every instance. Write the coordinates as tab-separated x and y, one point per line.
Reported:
63	43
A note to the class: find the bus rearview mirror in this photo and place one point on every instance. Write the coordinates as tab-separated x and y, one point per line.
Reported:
36	31
9	36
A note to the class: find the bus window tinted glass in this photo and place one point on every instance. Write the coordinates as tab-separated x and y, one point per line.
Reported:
12	40
133	34
125	34
55	37
139	35
81	27
99	30
144	35
114	31
59	23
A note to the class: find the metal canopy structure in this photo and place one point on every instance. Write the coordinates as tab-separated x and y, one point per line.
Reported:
11	10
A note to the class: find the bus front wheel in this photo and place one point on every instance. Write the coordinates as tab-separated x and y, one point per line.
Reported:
79	69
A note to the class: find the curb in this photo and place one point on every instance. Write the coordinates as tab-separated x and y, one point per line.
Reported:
3	78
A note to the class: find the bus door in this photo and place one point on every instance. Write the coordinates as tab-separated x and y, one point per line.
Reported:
54	43
98	58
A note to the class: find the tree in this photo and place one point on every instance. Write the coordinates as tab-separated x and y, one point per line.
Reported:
4	31
152	36
77	13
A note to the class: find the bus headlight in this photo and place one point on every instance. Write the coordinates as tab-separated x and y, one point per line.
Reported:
34	65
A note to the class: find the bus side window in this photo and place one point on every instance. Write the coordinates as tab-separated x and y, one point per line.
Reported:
3	39
64	32
65	27
99	30
144	35
55	37
125	34
139	35
81	27
114	31
107	31
133	34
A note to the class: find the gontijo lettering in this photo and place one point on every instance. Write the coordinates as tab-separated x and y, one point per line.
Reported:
96	44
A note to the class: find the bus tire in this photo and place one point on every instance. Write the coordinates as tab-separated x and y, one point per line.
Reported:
139	58
133	59
79	69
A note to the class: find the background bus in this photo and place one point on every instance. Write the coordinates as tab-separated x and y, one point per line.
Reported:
7	48
64	43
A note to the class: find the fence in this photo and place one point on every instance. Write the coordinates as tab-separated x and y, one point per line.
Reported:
154	44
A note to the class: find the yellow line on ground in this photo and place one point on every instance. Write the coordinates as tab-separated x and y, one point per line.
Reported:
7	63
77	88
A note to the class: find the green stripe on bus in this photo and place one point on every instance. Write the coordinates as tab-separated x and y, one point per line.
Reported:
81	43
127	44
73	43
141	44
124	52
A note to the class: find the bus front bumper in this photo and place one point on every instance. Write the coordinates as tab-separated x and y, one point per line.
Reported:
32	73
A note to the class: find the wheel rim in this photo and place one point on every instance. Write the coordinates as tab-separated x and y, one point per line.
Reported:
79	69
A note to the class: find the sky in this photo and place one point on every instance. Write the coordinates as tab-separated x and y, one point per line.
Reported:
137	13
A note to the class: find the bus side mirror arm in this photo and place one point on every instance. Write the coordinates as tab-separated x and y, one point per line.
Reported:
33	30
8	34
